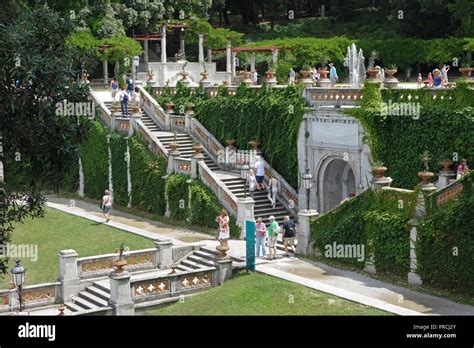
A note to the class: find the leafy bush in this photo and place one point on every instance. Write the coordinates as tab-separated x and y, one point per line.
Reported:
118	148
177	193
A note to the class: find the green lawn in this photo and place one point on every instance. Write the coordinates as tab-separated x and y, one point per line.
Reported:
58	231
259	294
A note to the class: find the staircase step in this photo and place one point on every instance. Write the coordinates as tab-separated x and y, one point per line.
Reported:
189	263
82	302
93	299
199	260
98	292
104	286
184	268
73	307
205	255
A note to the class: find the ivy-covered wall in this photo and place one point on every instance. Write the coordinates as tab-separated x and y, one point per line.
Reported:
272	118
445	244
376	219
444	127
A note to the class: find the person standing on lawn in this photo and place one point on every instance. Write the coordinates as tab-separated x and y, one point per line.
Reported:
106	205
272	237
289	234
224	230
260	234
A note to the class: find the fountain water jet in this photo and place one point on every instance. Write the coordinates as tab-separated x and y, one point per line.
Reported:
355	63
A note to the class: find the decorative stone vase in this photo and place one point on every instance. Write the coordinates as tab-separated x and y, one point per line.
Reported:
465	72
135	110
425	178
378	171
305	74
390	73
119	265
446	163
190	108
222	249
324	73
197	148
184	75
174	146
255	144
269	75
204	75
231	143
170	107
372	73
245	74
150	76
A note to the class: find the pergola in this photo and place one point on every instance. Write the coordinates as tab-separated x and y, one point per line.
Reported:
232	52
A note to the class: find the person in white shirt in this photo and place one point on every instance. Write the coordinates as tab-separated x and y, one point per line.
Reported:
272	190
251	181
260	172
106	205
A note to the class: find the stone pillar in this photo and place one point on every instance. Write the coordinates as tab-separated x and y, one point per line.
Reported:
245	212
195	159
370	260
201	49
134	70
105	66
164	70
164	253
145	55
444	177
229	62
413	277
120	293
234	58
68	275
172	156
174	285
304	232
274	57
209	55
223	271
252	63
181	41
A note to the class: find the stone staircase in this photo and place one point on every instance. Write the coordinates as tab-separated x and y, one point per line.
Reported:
92	298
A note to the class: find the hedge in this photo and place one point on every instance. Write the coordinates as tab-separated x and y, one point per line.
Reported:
445	244
118	148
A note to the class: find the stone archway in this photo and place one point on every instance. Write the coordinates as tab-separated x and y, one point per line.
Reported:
337	181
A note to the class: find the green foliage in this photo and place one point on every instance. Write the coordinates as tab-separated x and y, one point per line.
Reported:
272	118
444	128
95	159
118	148
445	245
177	193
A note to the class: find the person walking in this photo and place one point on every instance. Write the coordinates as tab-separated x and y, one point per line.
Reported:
420	80
292	77
333	74
289	234
124	102
129	82
114	87
260	234
106	205
260	172
251	182
224	230
272	237
272	190
462	169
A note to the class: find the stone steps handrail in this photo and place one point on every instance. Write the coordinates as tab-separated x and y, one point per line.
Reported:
32	295
105	114
152	108
208	140
156	146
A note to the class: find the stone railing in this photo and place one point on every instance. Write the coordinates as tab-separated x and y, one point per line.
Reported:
177	123
102	265
152	108
32	296
154	145
104	113
225	196
211	144
183	166
333	96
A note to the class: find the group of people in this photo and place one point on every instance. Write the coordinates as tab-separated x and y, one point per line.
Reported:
436	79
315	75
125	94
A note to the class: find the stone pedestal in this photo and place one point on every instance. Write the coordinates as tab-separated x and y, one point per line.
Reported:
68	275
205	82
223	271
390	82
325	83
172	156
194	164
304	232
245	212
307	83
444	177
164	253
120	293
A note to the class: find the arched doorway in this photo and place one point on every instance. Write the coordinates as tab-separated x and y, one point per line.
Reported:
337	181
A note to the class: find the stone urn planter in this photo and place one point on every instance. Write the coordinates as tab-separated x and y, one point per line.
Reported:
204	75
150	76
170	107
119	265
269	75
446	163
245	74
390	73
190	108
174	146
184	75
231	143
255	144
372	73
222	249
305	74
324	73
135	110
378	171
425	177
465	72
197	148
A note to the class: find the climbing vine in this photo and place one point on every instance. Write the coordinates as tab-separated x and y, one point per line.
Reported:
118	148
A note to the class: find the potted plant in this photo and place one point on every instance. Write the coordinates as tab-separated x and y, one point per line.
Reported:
425	175
446	163
150	75
372	71
270	73
255	144
204	75
197	147
231	143
391	70
170	107
245	74
174	145
121	262
378	169
465	70
305	71
190	107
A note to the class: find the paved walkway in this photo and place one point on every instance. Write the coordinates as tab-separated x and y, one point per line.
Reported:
346	284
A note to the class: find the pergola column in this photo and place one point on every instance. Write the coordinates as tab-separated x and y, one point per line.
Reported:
145	54
201	48
274	56
229	62
252	63
234	59
209	55
106	71
181	41
164	71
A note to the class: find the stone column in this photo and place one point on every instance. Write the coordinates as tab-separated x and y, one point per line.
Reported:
223	271
181	41
105	67
413	277
274	57
195	159
245	212
234	56
164	253
304	232
209	55
68	275
134	69
145	55
201	49
252	63
172	156
229	62
120	293
164	70
444	177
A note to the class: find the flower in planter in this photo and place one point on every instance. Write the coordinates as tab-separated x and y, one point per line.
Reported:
425	158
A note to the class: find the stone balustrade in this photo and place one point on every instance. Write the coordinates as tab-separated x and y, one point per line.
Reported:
33	296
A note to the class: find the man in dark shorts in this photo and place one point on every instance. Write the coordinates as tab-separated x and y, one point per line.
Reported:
259	172
289	234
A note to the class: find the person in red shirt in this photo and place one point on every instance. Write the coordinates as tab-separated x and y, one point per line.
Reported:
260	234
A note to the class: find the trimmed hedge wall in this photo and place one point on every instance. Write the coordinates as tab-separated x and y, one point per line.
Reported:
118	148
376	219
445	244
